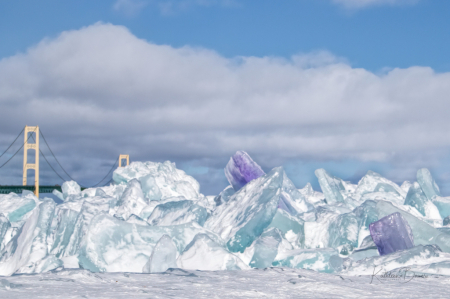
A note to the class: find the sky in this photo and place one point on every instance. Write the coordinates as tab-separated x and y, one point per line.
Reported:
345	85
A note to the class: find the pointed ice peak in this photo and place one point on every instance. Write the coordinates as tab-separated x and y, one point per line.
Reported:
331	186
427	183
241	169
371	180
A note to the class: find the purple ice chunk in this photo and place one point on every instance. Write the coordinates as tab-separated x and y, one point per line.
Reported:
391	233
241	169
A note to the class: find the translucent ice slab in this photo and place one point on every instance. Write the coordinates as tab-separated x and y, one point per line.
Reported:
416	198
163	257
203	253
70	188
392	233
132	200
178	212
266	248
15	207
332	187
427	183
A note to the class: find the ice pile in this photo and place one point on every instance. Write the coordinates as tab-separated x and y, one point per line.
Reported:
153	217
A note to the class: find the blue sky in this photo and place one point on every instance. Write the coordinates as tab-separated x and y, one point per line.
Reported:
373	37
347	85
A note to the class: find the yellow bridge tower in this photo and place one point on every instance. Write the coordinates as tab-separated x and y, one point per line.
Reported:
35	146
124	157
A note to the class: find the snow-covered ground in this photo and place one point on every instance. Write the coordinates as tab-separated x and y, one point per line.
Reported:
255	283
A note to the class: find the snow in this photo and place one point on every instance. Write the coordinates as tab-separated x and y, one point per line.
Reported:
256	283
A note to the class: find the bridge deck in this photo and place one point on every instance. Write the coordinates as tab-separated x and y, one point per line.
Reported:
19	189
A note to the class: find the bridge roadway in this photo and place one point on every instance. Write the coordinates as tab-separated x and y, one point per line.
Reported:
19	189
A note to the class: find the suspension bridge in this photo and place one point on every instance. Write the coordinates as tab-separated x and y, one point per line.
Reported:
32	136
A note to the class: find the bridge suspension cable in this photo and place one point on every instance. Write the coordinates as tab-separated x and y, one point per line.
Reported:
18	149
12	143
42	134
112	168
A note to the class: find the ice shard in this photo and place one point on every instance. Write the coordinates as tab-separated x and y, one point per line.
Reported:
241	169
4	226
91	207
374	182
30	243
169	180
70	189
331	186
417	199
178	212
163	257
291	227
15	207
427	183
322	260
150	188
132	200
366	214
443	205
248	212
343	230
224	196
66	219
392	233
266	248
203	253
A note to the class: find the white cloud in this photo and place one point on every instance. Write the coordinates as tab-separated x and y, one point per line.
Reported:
356	4
170	7
100	91
129	7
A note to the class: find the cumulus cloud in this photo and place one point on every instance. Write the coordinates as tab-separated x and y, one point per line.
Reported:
356	4
101	91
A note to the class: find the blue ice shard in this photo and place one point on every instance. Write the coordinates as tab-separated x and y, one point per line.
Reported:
416	198
427	183
266	248
241	169
331	186
392	233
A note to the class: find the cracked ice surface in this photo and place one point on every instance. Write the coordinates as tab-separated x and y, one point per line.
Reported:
153	217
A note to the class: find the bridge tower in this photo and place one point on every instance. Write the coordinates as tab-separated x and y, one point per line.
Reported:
122	157
35	146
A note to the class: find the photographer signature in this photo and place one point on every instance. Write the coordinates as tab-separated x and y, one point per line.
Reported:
404	275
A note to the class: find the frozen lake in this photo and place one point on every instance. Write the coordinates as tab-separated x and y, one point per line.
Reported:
177	283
